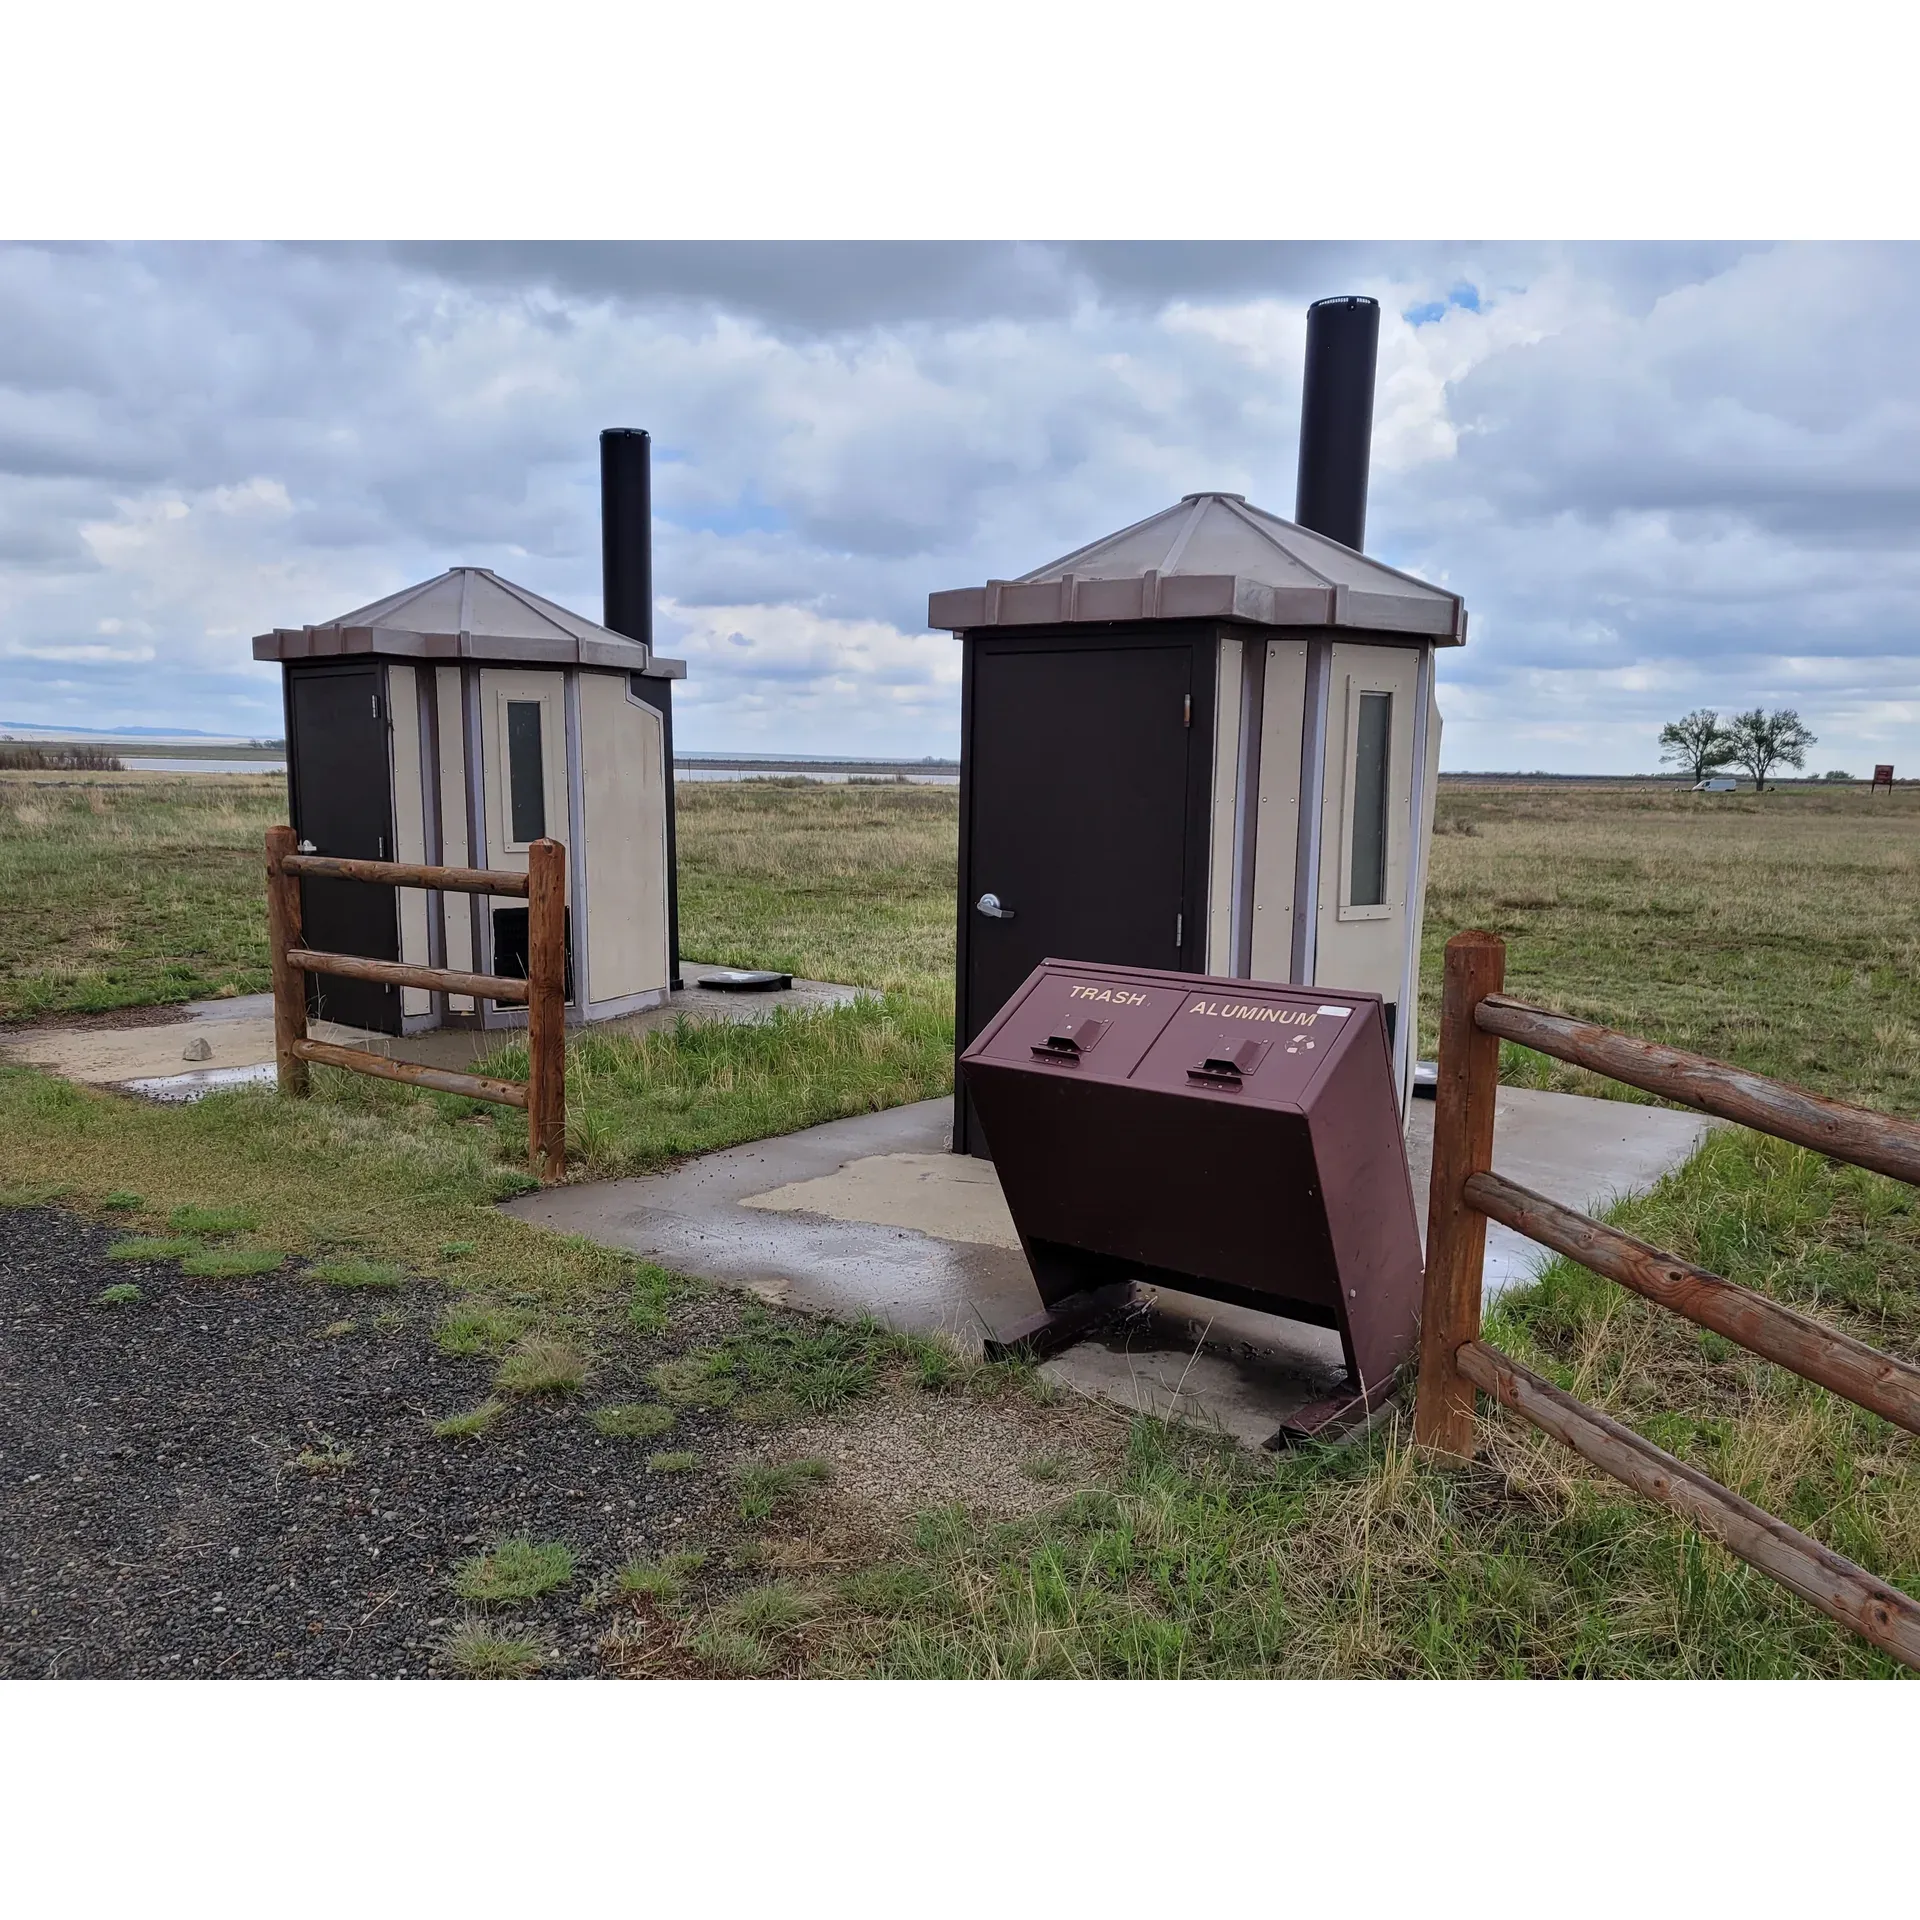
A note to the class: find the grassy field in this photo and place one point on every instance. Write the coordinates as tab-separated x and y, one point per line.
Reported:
1780	932
144	890
852	883
131	890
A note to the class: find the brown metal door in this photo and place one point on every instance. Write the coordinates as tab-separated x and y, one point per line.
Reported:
342	791
1078	797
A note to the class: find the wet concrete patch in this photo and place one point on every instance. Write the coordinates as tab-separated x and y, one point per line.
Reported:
875	1216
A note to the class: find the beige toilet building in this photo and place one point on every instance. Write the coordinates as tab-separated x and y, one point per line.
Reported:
454	723
1207	743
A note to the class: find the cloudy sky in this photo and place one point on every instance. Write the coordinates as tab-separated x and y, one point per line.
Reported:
1661	475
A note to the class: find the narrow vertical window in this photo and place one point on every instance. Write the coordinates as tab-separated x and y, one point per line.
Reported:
526	773
1367	878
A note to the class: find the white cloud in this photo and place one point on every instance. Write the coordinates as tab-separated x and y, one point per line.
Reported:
79	652
760	676
1660	476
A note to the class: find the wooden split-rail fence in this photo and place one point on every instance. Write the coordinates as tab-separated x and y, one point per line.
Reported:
543	991
1466	1193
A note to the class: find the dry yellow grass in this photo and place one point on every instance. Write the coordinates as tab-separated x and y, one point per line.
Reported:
1779	931
832	882
127	889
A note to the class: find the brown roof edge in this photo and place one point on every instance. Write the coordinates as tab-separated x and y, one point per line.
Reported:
321	643
1050	603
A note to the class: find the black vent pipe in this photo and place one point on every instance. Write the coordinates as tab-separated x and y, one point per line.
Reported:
1336	418
626	598
626	532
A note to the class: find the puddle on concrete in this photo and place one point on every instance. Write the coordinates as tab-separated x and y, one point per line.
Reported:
201	1082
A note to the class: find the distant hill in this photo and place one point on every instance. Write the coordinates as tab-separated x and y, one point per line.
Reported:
30	730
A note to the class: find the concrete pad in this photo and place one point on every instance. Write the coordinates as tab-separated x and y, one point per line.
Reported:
151	1059
949	1195
873	1215
1584	1153
696	1220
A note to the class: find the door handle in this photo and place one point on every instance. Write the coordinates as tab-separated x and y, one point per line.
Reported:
989	904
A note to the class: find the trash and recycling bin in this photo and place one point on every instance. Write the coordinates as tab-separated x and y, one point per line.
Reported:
1219	1137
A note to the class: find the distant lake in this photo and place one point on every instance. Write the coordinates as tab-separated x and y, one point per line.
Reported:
141	764
828	775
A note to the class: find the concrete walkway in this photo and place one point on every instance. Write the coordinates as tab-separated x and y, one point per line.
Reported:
875	1215
152	1058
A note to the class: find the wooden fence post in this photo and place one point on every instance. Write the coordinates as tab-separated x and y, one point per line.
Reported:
547	1009
289	982
1469	1075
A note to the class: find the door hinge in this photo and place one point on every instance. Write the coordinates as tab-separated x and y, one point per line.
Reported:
1186	709
1179	930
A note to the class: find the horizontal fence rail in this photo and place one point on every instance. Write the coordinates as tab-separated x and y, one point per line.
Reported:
1881	1142
1841	1590
400	873
1829	1358
397	973
1475	1017
475	1086
543	991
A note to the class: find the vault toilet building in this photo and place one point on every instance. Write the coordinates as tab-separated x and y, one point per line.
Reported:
455	723
1207	742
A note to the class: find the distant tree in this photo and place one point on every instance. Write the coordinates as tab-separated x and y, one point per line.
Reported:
1761	741
1839	773
1699	743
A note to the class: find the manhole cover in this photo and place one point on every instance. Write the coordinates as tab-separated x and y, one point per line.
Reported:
744	980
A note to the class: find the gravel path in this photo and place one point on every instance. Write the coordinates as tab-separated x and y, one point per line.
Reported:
153	1521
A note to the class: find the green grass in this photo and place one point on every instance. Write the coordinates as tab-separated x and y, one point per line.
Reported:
213	1219
858	880
1778	931
764	1490
1201	1561
377	1276
148	1248
1783	933
131	890
123	1295
741	1656
634	1420
394	1180
471	1424
33	1193
122	1202
789	1366
638	1101
541	1365
830	882
651	1297
663	1580
777	1607
475	1327
514	1570
474	1651
232	1263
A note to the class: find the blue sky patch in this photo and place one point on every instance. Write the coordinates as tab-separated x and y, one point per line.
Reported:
1463	295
